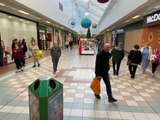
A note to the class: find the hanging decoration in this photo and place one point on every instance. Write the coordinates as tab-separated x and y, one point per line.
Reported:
72	22
86	23
94	25
102	1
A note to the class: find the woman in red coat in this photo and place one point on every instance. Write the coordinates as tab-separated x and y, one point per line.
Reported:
17	55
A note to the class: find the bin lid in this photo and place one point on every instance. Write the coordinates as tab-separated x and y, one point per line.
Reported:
45	87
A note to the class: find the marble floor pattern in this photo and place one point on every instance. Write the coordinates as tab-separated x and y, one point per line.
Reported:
138	99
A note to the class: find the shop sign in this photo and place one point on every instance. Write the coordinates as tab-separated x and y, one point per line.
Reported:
152	19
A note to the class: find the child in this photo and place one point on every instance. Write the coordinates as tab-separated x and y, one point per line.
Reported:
155	59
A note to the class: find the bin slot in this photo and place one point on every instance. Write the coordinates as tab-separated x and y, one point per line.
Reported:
36	85
52	84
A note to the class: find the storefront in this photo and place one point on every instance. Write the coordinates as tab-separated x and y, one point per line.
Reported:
45	37
58	35
12	27
151	31
118	36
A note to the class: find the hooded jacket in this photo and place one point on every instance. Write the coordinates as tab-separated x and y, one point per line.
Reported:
117	54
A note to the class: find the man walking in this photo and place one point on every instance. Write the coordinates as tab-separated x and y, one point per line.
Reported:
102	68
55	54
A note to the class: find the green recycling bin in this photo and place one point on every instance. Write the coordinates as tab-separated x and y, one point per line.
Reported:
46	99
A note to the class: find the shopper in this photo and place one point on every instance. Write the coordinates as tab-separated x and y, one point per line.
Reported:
146	55
100	45
55	54
134	59
117	56
33	49
155	59
102	68
17	55
24	48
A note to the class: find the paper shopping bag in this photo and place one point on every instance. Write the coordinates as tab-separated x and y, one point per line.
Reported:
95	85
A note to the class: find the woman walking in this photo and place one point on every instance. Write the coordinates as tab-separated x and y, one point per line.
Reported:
134	59
33	49
155	59
146	55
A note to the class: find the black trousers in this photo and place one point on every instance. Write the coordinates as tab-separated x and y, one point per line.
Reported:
132	69
18	63
154	67
116	67
106	80
55	63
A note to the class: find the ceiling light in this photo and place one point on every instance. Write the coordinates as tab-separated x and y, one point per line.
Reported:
9	17
48	22
21	11
86	13
1	4
137	16
127	21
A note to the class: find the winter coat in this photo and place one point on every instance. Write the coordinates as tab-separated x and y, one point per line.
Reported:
55	52
117	54
17	53
102	63
135	57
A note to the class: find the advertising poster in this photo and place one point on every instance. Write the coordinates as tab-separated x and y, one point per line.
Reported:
34	107
55	106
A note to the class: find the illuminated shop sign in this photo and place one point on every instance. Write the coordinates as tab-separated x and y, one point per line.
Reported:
152	19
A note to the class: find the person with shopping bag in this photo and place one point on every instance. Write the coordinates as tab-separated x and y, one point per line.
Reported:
101	70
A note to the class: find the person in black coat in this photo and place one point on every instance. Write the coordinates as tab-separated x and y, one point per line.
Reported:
117	56
101	70
134	59
24	48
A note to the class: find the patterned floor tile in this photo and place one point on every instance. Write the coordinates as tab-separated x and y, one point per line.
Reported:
138	99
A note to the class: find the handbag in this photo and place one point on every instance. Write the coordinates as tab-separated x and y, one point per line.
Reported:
38	54
129	62
95	85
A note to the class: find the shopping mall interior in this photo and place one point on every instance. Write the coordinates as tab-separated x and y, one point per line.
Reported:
38	93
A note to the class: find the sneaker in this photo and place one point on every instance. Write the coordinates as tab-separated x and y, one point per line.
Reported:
38	65
112	100
97	96
34	66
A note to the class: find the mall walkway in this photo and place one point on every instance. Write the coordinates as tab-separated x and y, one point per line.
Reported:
138	99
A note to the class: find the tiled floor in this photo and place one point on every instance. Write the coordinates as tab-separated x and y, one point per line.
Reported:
138	99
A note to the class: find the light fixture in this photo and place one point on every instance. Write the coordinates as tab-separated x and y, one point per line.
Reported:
48	22
127	21
23	12
9	17
137	16
102	1
86	13
1	4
